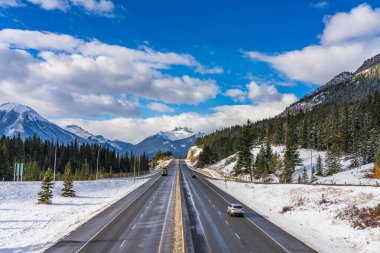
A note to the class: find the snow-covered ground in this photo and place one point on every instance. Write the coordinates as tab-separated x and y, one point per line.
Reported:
309	157
311	221
26	226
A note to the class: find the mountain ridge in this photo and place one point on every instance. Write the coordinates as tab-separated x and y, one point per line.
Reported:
344	87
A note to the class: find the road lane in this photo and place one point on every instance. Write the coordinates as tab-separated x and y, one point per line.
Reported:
144	224
233	234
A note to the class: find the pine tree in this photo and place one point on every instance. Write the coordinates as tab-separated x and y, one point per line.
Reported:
319	166
312	176
67	190
46	194
299	180
291	160
273	163
333	161
4	161
32	172
305	178
244	162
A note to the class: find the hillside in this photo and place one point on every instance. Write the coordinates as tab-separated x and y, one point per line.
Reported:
344	88
341	118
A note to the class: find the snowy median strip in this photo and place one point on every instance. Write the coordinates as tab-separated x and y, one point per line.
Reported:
26	226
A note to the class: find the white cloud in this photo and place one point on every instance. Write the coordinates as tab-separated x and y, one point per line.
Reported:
68	72
319	5
136	129
100	7
51	4
344	46
267	102
159	107
10	3
236	94
360	23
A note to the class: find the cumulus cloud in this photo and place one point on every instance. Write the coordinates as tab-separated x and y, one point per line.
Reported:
159	107
236	94
267	102
78	77
135	130
360	23
347	40
100	7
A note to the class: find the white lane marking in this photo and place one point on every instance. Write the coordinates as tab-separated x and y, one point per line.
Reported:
226	222
140	216
209	201
213	206
133	226
122	244
219	213
237	236
84	245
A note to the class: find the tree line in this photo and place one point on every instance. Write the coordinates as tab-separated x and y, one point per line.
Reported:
350	129
39	155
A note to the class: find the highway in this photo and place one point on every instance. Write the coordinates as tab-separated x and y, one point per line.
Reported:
213	230
141	222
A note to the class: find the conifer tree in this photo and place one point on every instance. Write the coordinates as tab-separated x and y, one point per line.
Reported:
4	161
299	180
244	162
319	166
32	172
305	178
333	160
67	190
312	176
273	163
46	194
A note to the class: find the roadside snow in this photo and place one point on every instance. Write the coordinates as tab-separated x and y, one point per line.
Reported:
26	226
313	223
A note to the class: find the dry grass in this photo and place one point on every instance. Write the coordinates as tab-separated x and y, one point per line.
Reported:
361	218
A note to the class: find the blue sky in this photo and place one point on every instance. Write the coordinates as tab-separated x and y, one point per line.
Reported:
127	69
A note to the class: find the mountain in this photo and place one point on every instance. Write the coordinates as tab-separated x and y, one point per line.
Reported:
20	119
345	87
178	141
119	146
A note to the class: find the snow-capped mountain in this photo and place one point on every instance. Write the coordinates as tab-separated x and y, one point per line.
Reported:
177	133
99	139
345	87
20	119
177	141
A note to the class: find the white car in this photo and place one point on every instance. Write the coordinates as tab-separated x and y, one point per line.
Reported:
235	210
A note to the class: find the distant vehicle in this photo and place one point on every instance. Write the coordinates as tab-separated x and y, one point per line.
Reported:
235	210
164	171
193	176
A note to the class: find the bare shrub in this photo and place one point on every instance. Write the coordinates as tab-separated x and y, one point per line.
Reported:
286	209
361	217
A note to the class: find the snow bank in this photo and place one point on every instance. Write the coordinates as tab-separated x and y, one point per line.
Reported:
309	220
26	226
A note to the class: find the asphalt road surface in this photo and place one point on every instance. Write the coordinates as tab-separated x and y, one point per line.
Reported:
213	230
141	222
